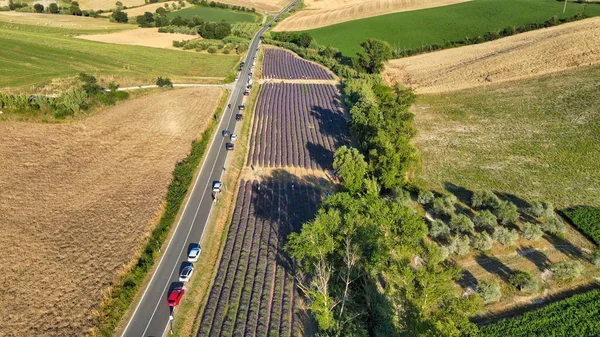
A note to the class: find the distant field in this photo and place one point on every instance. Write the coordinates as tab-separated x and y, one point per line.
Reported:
214	14
76	204
519	56
322	13
260	5
60	21
35	55
449	23
537	138
148	37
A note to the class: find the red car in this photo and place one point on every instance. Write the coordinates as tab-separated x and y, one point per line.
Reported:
175	296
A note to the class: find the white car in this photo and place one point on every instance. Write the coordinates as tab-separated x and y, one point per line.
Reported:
217	186
194	254
233	137
186	273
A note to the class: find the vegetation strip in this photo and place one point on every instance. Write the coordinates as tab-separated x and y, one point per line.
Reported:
121	296
587	220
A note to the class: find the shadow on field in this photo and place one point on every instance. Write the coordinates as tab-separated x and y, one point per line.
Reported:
494	266
331	124
463	194
320	155
467	280
541	260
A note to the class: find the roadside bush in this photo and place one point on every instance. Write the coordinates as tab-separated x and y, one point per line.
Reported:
483	241
4	9
485	198
541	209
212	49
119	16
439	230
532	232
567	271
164	82
524	281
554	226
39	8
53	8
506	212
24	10
505	236
489	290
485	220
425	197
444	205
459	245
461	224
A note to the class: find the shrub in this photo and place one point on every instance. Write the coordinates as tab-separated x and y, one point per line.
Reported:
596	258
459	245
425	197
39	8
485	220
532	232
524	281
506	237
485	198
489	290
541	209
212	49
483	242
402	196
554	226
461	224
164	82
53	8
444	205
566	271
120	16
506	212
439	230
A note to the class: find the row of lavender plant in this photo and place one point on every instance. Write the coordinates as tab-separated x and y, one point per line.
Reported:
282	64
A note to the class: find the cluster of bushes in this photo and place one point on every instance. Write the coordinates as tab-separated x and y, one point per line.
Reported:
215	4
52	8
69	103
178	30
211	47
587	220
489	36
208	30
244	30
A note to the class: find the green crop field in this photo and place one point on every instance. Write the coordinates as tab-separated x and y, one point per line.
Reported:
587	220
537	138
576	316
35	55
215	14
425	27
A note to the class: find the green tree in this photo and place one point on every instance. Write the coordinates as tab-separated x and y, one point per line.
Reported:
425	197
483	241
53	8
120	16
505	236
439	230
484	198
460	245
374	54
351	167
39	8
524	281
485	220
75	10
303	40
444	205
554	226
566	271
541	209
461	224
164	82
506	212
532	232
489	290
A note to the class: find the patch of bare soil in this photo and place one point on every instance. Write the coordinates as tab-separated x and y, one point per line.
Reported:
321	13
148	37
78	199
520	56
59	21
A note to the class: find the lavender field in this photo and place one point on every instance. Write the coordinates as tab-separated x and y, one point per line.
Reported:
297	125
254	292
281	64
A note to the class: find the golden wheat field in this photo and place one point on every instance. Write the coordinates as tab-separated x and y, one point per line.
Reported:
148	37
60	21
520	56
77	200
321	13
107	4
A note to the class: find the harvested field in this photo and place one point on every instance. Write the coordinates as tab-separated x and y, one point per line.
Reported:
107	4
148	37
321	13
77	200
133	12
297	125
60	21
260	5
282	64
254	292
520	56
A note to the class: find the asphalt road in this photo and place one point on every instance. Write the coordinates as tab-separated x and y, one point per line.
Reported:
151	316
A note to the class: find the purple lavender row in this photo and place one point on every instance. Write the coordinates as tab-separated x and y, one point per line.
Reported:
282	64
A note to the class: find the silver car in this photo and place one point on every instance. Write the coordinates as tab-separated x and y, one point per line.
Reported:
186	273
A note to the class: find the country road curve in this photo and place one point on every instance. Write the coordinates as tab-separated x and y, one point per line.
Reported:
151	314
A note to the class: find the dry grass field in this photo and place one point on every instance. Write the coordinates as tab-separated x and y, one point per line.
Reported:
520	56
260	5
321	13
77	200
107	4
60	21
148	37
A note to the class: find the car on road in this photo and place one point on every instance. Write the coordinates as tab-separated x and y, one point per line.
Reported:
229	146
241	107
186	273
239	117
175	296
233	137
194	253
237	78
225	133
247	92
217	186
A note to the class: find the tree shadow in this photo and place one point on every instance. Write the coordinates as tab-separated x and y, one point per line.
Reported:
564	246
467	280
320	155
494	266
541	260
463	194
331	123
522	204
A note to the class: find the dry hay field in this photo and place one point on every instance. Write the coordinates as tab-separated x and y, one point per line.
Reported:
59	21
520	56
133	12
107	4
321	13
260	5
148	37
77	200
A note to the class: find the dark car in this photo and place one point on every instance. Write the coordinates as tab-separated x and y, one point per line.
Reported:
239	117
225	133
246	93
229	146
175	296
241	107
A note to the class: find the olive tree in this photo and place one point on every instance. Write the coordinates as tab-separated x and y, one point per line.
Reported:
459	245
444	205
532	232
506	212
425	197
541	209
485	198
461	224
554	226
489	290
485	220
505	236
483	241
524	281
566	270
439	230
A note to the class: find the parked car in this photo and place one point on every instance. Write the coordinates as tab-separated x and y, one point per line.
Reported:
247	92
175	296
241	107
194	253
186	273
225	133
217	186
233	137
239	117
229	146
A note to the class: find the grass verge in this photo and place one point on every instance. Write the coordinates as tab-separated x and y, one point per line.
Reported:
120	297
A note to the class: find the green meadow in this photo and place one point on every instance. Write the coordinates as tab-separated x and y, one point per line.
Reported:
215	14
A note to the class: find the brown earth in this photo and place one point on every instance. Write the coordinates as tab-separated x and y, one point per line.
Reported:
107	4
78	199
148	37
60	21
321	13
520	56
